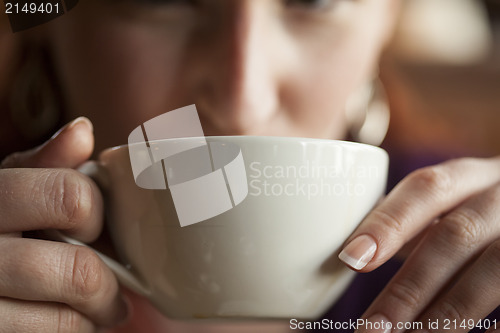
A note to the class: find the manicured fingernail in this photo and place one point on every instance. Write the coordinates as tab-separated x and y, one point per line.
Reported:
376	324
359	252
80	121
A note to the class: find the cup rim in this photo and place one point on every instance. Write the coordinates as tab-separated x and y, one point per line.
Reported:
303	140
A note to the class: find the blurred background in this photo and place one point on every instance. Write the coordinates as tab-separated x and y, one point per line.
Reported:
442	73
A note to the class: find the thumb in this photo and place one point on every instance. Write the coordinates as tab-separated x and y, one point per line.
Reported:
69	147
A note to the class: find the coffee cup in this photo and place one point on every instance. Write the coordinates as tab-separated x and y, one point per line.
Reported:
271	255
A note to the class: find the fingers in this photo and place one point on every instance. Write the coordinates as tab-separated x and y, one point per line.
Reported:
41	317
439	260
43	199
413	205
50	199
477	291
47	286
35	270
68	148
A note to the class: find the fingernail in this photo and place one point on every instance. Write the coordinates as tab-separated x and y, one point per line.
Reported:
80	121
376	324
359	252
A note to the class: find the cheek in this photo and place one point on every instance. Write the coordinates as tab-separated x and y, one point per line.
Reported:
317	90
116	74
331	67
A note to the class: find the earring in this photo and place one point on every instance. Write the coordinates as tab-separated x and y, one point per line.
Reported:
35	103
367	113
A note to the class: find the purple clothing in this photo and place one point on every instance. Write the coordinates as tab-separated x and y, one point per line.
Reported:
363	291
367	286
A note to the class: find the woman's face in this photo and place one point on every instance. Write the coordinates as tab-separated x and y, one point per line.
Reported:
252	67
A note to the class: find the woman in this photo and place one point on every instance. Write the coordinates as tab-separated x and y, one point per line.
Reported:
252	67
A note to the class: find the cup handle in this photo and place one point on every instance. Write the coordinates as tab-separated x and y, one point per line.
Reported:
124	276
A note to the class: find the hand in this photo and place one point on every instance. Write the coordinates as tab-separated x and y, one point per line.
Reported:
453	209
48	286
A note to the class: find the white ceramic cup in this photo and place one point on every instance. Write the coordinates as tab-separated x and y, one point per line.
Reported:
272	256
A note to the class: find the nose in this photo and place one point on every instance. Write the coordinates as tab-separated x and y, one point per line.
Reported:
235	85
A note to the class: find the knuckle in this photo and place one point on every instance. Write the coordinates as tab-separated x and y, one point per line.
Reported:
463	227
406	293
68	196
86	275
68	320
390	220
435	179
452	309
